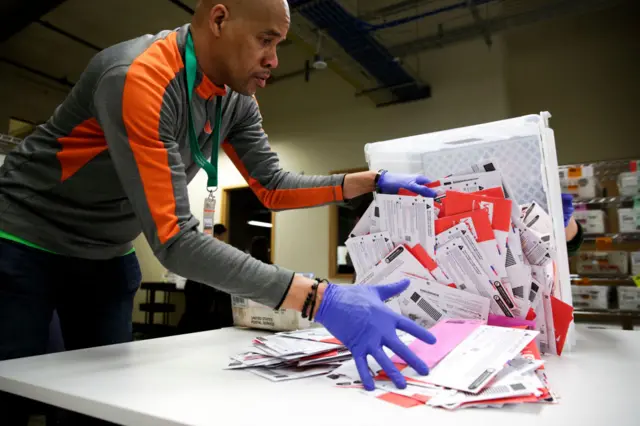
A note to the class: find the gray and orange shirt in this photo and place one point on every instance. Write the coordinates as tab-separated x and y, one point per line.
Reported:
114	160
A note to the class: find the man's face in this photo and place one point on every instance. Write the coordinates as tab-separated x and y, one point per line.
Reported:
249	44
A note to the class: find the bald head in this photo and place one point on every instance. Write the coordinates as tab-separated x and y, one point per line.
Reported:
236	40
240	9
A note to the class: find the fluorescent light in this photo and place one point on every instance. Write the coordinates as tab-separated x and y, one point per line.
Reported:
260	224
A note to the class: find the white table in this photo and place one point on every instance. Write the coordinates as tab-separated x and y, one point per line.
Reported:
180	381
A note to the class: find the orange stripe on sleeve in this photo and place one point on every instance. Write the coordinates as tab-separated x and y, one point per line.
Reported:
145	85
84	143
284	198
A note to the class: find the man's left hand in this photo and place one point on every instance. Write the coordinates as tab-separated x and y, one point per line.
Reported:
391	183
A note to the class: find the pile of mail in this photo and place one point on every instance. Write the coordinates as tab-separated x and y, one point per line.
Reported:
483	275
292	355
471	252
472	365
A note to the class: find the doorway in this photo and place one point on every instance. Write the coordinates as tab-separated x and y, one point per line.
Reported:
250	225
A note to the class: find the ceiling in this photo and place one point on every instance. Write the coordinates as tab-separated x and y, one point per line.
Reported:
373	44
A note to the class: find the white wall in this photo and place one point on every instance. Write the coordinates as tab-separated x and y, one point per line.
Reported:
584	70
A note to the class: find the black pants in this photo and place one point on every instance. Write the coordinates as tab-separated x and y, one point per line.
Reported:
205	308
93	300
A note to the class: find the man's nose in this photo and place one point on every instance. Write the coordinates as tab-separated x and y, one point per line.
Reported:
271	60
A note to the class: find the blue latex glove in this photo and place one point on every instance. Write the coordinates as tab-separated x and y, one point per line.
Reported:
357	316
390	183
567	208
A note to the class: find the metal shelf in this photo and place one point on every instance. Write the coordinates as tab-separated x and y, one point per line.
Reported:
623	280
620	199
626	319
8	143
617	237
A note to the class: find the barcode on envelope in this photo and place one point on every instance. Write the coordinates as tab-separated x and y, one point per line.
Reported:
495	390
533	292
518	292
426	307
510	259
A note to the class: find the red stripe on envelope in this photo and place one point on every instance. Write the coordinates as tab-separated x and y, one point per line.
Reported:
422	256
400	400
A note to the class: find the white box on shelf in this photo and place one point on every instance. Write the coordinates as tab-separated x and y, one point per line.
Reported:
628	220
634	257
629	183
603	263
523	150
629	298
592	221
590	296
586	187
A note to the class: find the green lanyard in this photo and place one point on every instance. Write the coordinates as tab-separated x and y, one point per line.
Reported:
211	168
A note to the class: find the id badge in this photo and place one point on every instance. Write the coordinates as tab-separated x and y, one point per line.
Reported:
208	214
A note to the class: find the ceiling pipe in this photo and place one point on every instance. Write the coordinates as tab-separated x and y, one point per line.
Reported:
68	35
561	8
183	6
473	7
60	80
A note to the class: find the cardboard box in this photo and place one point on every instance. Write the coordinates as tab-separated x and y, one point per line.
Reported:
628	220
592	221
629	298
603	263
247	313
590	296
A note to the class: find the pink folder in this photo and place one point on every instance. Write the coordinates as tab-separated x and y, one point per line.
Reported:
502	321
449	333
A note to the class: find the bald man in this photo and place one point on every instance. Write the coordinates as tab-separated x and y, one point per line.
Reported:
114	160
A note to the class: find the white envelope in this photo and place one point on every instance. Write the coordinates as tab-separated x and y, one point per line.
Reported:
364	225
453	302
469	274
472	365
367	250
472	182
408	219
398	265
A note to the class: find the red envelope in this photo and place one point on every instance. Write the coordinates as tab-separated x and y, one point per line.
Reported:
562	317
499	211
403	191
496	192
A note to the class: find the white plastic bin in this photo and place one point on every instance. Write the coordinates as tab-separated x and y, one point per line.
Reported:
525	152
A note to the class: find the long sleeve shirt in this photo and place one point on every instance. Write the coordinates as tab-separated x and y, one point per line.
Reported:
114	160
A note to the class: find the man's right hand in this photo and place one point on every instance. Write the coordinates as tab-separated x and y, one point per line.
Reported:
357	316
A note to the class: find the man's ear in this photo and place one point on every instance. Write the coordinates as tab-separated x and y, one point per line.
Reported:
217	19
